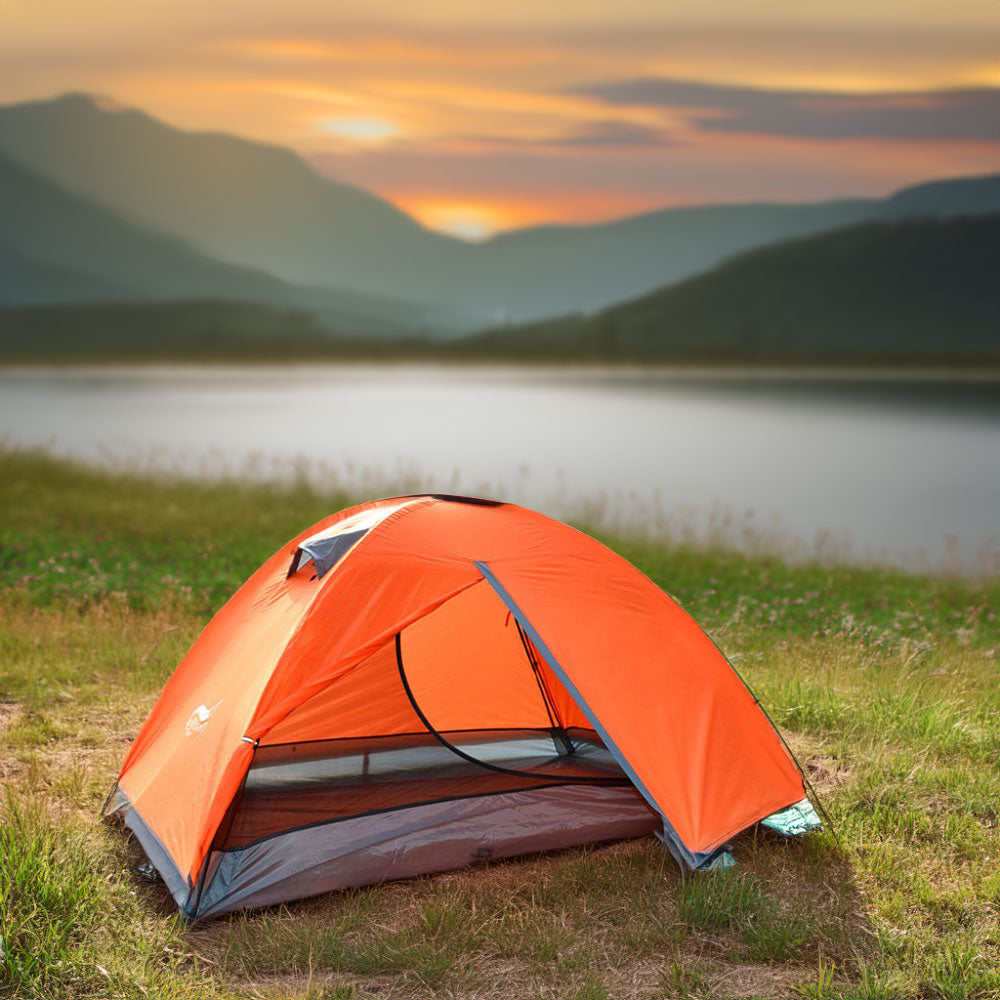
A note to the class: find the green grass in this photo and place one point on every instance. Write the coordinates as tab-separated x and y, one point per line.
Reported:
71	923
885	684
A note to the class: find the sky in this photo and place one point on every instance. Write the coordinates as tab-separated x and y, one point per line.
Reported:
477	118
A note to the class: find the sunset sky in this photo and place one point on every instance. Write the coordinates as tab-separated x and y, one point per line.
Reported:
476	117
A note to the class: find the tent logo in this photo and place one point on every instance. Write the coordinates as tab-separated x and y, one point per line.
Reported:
199	719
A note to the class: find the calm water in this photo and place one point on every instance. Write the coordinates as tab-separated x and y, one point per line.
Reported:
903	472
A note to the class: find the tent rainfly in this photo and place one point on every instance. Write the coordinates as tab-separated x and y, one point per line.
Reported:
417	683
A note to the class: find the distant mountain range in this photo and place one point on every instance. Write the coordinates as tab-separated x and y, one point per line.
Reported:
914	292
56	248
264	208
114	225
252	205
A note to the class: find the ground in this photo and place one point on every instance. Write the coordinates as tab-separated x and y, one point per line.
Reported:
885	685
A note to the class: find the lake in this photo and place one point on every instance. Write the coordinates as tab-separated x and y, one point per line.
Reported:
896	471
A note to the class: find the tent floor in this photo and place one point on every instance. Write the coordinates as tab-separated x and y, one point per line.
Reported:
420	839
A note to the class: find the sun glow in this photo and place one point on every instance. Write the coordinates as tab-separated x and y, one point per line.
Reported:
360	129
472	223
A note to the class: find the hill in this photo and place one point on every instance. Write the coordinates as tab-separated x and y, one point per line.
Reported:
264	207
945	199
915	291
244	202
660	248
592	267
56	247
154	331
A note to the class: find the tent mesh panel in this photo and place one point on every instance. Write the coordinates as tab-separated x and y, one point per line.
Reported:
294	785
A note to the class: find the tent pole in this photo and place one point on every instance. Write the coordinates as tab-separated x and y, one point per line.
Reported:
558	729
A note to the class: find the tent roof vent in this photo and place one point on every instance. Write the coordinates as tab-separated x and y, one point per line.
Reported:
326	548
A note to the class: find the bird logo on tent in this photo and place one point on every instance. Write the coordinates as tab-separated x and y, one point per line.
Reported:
199	719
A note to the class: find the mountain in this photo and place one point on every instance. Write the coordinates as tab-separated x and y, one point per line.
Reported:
24	281
881	293
585	268
945	199
921	291
264	207
659	248
58	248
244	202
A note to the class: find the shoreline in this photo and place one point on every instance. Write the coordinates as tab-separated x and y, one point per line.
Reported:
722	532
732	373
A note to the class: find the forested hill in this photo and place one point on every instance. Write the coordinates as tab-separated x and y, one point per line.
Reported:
910	292
924	290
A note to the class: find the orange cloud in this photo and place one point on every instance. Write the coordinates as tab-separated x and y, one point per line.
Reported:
597	187
471	116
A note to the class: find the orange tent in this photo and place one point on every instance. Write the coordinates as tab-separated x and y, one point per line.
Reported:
415	683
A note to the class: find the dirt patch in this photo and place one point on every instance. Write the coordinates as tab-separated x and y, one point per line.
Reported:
9	710
10	768
756	981
825	773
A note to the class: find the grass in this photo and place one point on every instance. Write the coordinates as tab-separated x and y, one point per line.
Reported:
886	686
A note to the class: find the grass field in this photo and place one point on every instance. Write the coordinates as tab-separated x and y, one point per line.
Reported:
885	685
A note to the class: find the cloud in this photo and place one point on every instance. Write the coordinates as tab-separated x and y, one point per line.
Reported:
602	134
970	114
616	133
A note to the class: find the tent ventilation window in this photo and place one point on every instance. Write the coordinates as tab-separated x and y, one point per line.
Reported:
326	548
324	553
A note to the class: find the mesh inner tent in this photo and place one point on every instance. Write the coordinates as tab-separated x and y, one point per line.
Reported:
455	706
292	786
